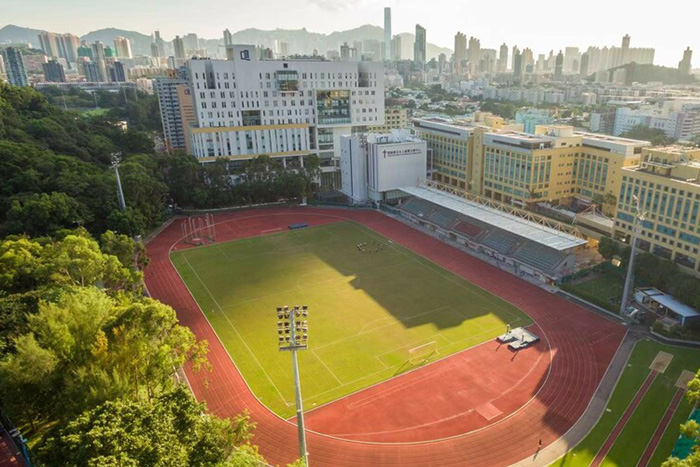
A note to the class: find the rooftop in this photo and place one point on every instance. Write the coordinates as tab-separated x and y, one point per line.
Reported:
541	234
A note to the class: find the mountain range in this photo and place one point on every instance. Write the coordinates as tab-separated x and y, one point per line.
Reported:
299	40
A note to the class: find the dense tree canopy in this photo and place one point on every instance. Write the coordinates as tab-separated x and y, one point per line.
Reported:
656	136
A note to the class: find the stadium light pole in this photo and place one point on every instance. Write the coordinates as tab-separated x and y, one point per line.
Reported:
292	336
116	159
638	218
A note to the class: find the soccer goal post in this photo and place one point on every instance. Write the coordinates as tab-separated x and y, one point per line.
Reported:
418	355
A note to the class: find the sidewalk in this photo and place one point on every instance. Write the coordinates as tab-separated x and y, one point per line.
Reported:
9	456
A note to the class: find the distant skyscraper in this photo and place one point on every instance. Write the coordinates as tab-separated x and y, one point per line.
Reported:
14	67
2	65
387	33
585	64
228	44
517	63
685	66
68	47
625	55
159	43
460	50
117	72
559	66
49	44
122	46
85	51
90	71
191	41
396	48
419	46
179	47
54	72
474	53
503	59
98	54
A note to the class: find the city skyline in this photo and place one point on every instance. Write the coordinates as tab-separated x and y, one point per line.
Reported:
521	26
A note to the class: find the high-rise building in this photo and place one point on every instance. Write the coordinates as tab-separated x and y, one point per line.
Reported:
396	48
98	53
14	67
122	46
387	33
503	58
228	44
528	60
517	63
155	53
625	51
585	63
179	47
166	88
49	43
559	66
474	53
460	50
2	66
419	46
92	74
160	43
68	47
117	72
685	66
54	72
191	42
85	51
283	108
572	57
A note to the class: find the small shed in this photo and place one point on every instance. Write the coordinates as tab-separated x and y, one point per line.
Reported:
666	306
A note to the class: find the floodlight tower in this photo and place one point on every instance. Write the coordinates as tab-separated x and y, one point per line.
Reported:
293	336
638	218
116	159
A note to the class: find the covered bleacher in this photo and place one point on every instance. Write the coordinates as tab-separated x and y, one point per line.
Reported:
531	248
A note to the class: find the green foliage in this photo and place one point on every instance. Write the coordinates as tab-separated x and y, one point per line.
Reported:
608	247
55	170
87	348
693	390
172	429
656	136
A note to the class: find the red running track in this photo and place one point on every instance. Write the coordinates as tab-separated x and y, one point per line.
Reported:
582	345
622	422
9	456
661	428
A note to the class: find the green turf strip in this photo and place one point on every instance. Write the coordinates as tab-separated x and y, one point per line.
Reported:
367	308
633	439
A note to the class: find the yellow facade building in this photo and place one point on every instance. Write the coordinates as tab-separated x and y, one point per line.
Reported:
666	186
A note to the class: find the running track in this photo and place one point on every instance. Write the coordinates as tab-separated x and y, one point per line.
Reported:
582	346
661	428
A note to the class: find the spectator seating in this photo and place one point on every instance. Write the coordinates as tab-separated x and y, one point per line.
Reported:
442	217
539	256
418	207
500	240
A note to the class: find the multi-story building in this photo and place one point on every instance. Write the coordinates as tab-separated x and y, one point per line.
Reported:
448	150
375	166
122	47
530	118
54	72
460	53
171	109
99	57
681	122
48	42
419	46
685	66
179	47
666	186
285	109
14	66
555	164
387	33
603	122
395	118
92	74
117	72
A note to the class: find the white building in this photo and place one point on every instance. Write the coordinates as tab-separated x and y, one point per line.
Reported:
374	167
285	109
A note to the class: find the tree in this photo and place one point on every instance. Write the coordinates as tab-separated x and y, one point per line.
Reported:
86	348
42	213
607	247
127	251
173	430
656	136
689	429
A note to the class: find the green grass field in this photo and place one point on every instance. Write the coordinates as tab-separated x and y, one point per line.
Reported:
367	309
633	439
607	287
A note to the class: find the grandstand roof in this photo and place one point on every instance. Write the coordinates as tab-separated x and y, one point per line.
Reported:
541	234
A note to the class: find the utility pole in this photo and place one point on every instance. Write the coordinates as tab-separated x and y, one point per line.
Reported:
116	159
293	336
629	279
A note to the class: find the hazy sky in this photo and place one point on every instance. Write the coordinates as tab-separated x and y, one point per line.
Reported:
669	26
